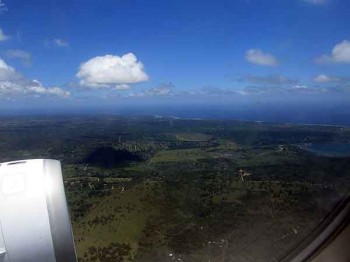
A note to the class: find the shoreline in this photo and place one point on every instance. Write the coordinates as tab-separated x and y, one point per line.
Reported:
324	153
252	121
14	116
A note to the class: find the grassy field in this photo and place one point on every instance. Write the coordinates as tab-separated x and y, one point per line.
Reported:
225	144
118	218
179	155
193	137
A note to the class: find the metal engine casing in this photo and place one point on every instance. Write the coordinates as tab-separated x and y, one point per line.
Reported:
34	219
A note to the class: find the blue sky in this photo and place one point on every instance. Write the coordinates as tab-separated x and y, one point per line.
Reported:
81	54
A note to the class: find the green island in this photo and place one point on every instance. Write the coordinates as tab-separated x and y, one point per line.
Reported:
144	188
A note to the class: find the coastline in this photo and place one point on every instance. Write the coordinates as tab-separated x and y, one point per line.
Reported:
327	151
252	121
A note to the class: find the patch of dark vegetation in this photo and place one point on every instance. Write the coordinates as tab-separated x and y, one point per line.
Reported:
109	157
114	252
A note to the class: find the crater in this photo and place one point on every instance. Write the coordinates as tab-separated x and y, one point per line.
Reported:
109	157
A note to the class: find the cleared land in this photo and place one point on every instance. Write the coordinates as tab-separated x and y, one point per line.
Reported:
119	218
195	137
180	155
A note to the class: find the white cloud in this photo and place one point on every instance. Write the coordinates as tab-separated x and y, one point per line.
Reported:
7	72
111	70
60	42
24	56
324	79
303	89
299	87
270	80
57	91
3	37
122	87
215	91
162	90
17	53
285	90
316	2
13	83
340	54
258	57
56	43
3	7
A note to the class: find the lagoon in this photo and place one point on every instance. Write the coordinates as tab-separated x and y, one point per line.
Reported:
329	149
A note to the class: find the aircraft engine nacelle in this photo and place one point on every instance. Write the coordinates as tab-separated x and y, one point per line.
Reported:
34	219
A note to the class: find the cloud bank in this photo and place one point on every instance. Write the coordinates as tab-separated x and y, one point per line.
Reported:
13	83
327	79
3	7
270	80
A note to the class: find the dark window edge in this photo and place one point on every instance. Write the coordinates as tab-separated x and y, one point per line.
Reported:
336	221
